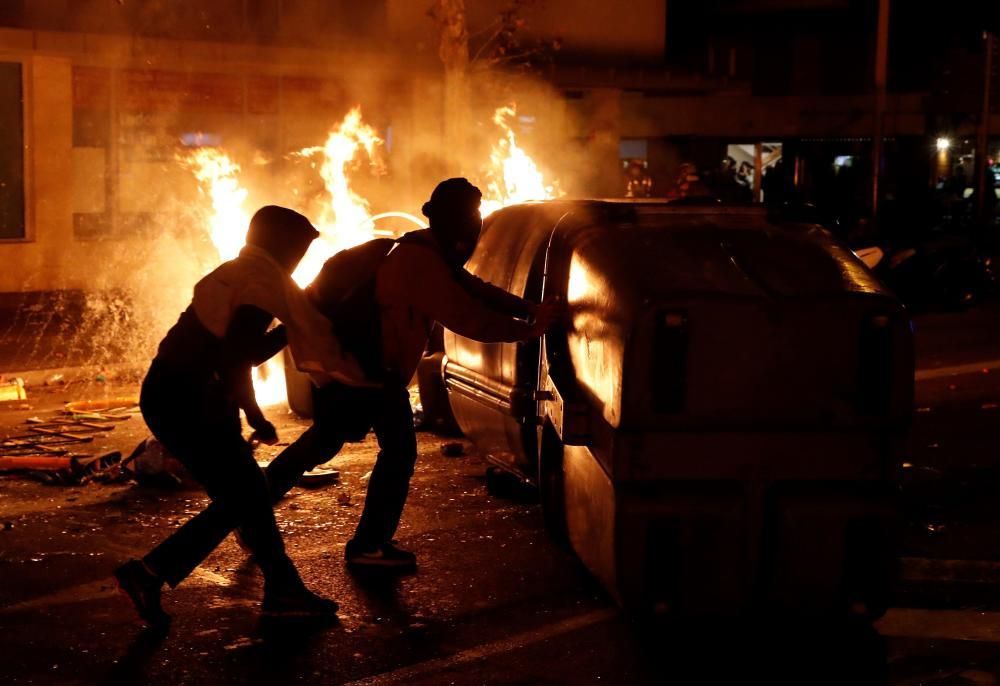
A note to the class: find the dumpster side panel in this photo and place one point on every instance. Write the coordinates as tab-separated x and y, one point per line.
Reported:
684	547
591	514
775	455
484	379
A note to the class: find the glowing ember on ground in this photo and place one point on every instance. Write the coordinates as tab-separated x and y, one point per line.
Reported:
513	176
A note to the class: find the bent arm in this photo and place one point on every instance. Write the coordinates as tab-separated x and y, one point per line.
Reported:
246	337
495	297
247	343
442	298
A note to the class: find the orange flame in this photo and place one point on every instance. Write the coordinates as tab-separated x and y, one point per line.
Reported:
227	223
344	220
513	177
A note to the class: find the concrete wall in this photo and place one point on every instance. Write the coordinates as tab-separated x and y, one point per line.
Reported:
40	260
312	90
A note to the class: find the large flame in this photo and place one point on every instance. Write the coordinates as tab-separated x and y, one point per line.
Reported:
513	177
218	177
227	223
344	219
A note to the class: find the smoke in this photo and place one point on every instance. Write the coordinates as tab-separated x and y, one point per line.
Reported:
169	98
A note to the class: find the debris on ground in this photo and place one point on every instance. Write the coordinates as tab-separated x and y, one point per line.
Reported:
48	449
453	449
78	471
107	405
56	436
152	465
320	476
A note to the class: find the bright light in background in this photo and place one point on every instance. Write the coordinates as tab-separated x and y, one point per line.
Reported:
343	219
943	144
513	177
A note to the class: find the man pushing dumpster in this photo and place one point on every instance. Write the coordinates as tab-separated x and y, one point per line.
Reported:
383	298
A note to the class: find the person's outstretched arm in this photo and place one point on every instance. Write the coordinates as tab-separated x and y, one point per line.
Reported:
495	297
441	297
247	343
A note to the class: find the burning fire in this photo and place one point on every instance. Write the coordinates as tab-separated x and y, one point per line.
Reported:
513	176
218	177
227	225
344	219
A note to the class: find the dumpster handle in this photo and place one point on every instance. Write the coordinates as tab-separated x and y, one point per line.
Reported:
543	352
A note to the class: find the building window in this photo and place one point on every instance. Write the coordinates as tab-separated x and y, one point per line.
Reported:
12	221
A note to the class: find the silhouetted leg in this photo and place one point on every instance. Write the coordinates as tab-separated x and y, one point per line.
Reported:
202	534
390	480
226	467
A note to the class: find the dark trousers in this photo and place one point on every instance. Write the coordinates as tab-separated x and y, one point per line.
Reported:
199	423
340	414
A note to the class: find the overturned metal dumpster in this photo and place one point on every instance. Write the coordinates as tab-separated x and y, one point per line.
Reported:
717	428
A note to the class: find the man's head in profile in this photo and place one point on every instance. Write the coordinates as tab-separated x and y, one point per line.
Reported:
453	211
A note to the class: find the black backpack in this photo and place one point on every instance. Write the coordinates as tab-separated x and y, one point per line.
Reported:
344	291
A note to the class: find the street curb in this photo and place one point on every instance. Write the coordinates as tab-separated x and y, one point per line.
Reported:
37	377
980	367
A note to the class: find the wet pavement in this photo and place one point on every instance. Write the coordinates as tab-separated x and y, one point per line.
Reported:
494	601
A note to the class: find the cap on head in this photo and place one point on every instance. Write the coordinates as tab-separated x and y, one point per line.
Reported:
450	196
283	233
454	213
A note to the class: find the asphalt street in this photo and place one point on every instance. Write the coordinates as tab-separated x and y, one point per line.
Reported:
494	600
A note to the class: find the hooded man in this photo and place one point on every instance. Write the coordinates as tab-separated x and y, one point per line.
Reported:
194	390
383	298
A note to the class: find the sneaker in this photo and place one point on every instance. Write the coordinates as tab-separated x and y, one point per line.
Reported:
143	588
297	602
386	556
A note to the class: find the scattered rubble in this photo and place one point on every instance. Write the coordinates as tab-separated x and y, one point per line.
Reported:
47	450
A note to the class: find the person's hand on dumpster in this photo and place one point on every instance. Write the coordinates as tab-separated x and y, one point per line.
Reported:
264	432
549	312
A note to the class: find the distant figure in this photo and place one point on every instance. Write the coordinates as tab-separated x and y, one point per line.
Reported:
688	183
192	396
638	182
959	181
382	299
744	175
725	185
773	184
